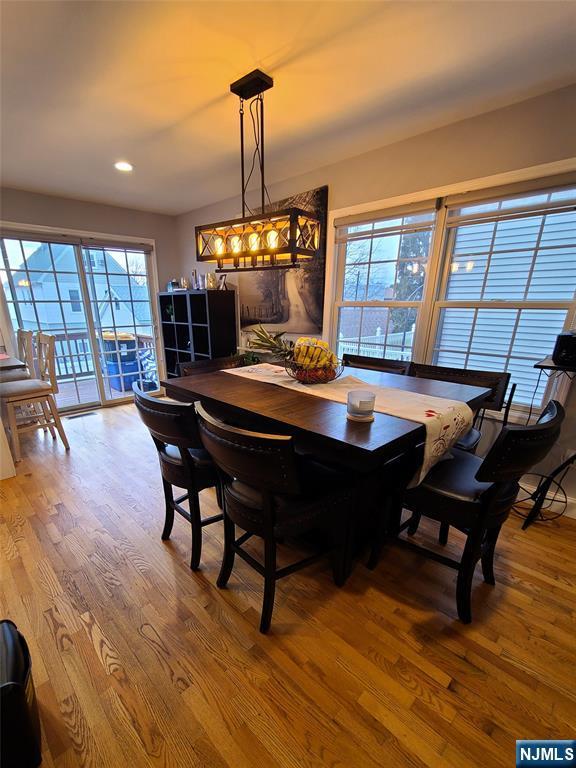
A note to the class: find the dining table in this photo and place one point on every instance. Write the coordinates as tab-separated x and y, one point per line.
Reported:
381	456
8	363
319	425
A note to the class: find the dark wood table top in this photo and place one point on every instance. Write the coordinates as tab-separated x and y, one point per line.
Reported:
549	365
262	405
11	364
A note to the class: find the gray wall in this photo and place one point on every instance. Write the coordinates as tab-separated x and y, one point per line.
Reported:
51	211
530	133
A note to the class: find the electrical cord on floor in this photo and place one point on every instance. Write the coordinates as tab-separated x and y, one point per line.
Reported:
549	502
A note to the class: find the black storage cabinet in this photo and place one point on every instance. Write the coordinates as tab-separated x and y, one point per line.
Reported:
20	741
197	325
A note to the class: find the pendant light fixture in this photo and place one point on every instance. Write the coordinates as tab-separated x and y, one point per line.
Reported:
263	239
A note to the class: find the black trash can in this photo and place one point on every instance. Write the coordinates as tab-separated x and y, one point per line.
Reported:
20	740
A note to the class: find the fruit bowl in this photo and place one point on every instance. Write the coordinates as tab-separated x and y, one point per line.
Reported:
307	375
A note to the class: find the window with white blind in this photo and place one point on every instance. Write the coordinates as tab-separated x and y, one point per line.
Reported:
382	269
470	282
509	285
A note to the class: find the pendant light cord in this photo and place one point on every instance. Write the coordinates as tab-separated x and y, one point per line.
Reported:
255	108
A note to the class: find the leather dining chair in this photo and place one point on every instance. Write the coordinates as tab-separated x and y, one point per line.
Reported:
475	496
496	381
184	463
271	492
376	363
207	366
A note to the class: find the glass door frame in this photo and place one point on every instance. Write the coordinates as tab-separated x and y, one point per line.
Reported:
80	241
152	289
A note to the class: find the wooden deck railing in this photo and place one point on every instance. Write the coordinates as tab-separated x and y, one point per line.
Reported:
74	354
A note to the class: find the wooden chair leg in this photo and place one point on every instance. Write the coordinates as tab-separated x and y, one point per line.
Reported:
443	534
388	524
341	547
380	534
269	584
169	519
196	524
413	523
228	555
488	548
470	557
12	426
57	422
38	411
47	420
219	500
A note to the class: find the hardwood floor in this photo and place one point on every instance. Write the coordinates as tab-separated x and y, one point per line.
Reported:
140	662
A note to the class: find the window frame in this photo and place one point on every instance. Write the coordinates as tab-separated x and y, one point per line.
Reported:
339	303
438	271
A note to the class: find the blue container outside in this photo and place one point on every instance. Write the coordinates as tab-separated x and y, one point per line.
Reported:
125	347
129	369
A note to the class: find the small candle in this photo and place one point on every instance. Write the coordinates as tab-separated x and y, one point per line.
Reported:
361	405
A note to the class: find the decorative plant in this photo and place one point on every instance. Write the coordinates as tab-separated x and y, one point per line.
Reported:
309	360
251	359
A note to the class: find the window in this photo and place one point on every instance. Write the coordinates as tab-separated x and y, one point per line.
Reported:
510	279
75	303
382	272
502	287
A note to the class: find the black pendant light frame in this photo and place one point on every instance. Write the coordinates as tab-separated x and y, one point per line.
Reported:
273	239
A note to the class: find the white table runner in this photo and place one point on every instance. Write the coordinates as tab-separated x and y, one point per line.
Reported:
445	420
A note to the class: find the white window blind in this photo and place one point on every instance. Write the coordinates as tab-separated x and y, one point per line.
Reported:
382	271
509	285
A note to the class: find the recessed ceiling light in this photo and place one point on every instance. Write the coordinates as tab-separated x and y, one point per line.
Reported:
123	165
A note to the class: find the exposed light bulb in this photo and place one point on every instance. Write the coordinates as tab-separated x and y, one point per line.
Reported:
272	238
219	245
254	241
235	244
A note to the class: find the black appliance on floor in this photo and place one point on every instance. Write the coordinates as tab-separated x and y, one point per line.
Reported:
20	740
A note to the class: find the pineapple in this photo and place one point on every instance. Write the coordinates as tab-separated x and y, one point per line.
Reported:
312	361
272	342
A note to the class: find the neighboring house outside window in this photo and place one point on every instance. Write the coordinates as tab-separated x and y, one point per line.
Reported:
75	303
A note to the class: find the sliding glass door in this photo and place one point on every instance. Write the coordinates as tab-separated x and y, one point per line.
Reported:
118	289
97	303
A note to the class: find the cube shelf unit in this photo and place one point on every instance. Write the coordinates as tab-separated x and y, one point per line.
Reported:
197	325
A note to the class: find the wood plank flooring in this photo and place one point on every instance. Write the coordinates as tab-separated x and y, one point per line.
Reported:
139	662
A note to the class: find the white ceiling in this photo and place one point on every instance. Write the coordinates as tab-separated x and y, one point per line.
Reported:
88	83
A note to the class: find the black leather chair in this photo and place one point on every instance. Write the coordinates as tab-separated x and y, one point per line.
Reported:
496	381
207	366
376	363
475	496
271	492
183	462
